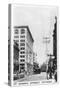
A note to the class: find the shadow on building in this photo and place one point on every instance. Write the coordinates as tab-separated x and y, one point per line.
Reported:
52	64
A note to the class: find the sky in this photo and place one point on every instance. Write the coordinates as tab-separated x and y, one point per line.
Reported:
40	20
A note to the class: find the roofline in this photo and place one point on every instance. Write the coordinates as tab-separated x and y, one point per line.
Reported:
27	29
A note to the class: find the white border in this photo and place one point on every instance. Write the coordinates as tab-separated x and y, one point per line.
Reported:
3	46
12	34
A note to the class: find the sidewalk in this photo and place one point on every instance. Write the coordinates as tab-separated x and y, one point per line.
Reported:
34	77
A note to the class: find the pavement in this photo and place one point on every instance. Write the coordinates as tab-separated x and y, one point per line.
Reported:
35	77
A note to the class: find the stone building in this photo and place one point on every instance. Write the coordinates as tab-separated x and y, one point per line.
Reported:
24	39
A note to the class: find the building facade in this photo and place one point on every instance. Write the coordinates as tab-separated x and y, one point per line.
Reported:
55	49
24	39
52	65
16	60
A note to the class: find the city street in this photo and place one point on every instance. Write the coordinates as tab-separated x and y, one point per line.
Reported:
35	77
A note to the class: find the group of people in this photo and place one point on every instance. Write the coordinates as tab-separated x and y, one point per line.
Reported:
52	73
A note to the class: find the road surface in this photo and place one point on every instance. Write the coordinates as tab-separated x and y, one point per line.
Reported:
41	76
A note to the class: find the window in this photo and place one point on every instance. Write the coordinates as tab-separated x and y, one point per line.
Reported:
16	36
22	60
22	31
22	40
22	44
16	31
22	56
22	52
23	68
22	36
22	65
22	48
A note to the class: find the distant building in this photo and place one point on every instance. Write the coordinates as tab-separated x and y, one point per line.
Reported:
34	57
24	39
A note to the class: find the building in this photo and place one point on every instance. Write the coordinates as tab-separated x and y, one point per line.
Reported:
9	54
54	60
52	65
9	58
16	61
24	39
55	40
55	49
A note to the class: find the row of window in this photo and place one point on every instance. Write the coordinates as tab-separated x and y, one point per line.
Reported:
22	68
22	52
22	60
22	32
16	36
22	36
22	40
22	48
22	65
22	44
17	31
22	56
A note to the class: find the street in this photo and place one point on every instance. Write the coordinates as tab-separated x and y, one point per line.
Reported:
41	76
